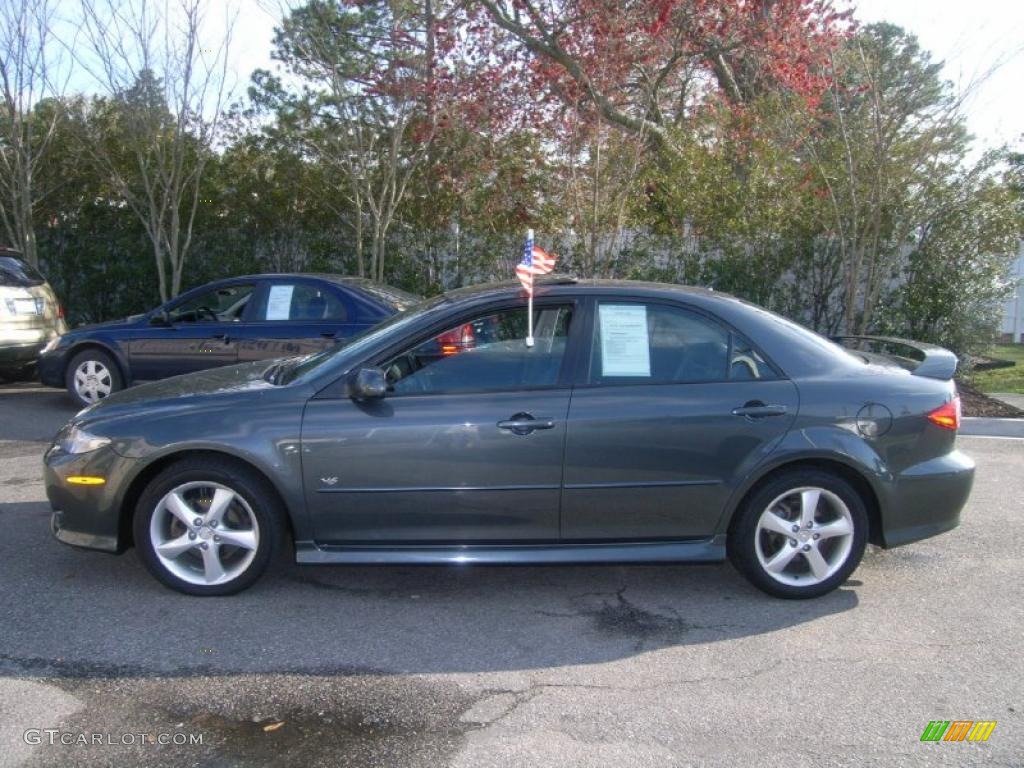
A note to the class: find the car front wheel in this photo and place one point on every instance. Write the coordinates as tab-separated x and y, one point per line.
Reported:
800	535
207	527
91	376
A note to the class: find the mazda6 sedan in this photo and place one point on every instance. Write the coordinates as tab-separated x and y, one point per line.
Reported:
641	423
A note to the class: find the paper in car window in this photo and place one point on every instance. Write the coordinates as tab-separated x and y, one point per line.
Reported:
625	347
279	302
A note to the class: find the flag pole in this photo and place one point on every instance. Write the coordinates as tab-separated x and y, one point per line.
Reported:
529	300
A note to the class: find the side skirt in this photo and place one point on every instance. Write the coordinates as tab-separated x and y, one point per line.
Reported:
703	551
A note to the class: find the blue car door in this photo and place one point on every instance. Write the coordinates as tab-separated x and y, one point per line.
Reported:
199	331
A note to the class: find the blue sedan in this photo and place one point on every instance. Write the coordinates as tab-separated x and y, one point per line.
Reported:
229	321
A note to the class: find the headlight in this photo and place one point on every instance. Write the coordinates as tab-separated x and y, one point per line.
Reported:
51	345
77	440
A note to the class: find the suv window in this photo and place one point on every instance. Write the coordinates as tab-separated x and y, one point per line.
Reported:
488	353
656	344
15	273
222	305
301	302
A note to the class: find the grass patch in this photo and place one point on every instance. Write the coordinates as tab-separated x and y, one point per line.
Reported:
1003	379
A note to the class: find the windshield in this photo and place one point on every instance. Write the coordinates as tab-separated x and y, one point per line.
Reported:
15	273
344	356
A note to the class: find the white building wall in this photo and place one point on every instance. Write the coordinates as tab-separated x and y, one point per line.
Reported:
1013	309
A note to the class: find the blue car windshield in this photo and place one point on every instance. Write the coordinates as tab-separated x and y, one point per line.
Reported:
343	357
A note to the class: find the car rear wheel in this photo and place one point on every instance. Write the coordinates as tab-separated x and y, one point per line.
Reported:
207	527
800	535
91	376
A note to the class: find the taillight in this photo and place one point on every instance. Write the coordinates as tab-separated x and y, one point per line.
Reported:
947	416
457	340
60	312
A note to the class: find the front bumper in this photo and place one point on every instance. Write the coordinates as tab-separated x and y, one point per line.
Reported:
926	499
87	515
51	368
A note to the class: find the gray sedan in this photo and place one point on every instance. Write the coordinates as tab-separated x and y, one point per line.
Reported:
639	423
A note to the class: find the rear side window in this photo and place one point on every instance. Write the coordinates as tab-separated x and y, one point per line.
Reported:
301	302
637	343
15	273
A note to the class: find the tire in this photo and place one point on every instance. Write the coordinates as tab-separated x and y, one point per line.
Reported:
810	561
91	376
252	518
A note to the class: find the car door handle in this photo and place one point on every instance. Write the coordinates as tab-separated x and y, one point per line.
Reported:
329	334
755	409
221	337
525	423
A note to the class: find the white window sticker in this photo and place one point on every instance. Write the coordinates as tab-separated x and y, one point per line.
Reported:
625	347
279	302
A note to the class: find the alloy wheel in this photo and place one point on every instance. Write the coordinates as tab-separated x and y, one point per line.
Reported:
204	533
804	536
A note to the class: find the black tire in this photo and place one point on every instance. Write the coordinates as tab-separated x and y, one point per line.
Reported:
745	538
100	358
245	482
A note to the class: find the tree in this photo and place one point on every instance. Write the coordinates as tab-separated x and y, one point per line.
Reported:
163	108
29	72
889	133
648	67
367	106
953	280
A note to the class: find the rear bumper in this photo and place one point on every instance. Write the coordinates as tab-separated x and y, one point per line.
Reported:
86	515
926	499
19	354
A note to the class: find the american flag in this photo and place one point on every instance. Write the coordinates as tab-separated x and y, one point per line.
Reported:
536	261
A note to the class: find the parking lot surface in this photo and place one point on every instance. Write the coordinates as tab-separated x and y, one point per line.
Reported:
623	666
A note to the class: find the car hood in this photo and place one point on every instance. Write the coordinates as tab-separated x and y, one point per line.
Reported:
180	391
109	325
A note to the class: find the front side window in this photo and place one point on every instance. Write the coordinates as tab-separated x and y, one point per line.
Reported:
656	344
223	305
299	302
487	353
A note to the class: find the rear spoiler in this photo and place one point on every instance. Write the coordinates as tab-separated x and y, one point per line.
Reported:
929	360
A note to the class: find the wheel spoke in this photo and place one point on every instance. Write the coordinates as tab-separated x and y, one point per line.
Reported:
178	507
781	558
176	547
809	505
819	566
212	567
222	499
243	539
776	524
840	527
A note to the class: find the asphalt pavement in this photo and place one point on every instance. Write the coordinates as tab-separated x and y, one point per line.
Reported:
485	666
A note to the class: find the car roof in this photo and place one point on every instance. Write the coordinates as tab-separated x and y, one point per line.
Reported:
561	285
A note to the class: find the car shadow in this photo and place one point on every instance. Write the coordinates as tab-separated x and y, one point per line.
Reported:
72	613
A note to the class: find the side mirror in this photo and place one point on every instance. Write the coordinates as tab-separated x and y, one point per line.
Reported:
368	384
160	317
